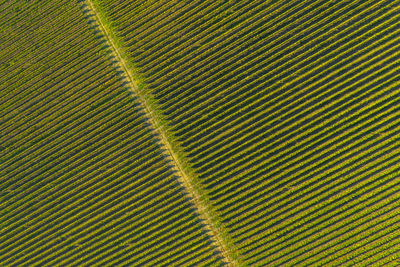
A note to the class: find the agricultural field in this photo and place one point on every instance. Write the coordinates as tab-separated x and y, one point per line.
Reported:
84	181
199	133
287	114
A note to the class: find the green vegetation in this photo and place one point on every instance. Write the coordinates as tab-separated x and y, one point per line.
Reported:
287	114
175	133
83	179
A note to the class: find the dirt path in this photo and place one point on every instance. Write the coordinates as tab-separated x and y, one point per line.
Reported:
201	207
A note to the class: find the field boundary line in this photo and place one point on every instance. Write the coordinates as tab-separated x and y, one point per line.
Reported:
185	180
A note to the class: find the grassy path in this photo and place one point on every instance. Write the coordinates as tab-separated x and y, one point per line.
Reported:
201	207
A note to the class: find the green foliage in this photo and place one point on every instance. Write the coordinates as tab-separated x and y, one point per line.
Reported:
287	114
82	178
284	113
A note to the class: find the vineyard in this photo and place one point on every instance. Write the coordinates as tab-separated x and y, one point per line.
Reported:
199	133
83	179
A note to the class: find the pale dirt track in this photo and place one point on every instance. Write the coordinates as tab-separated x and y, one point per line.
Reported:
185	180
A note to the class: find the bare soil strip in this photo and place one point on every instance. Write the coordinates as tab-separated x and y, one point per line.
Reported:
201	207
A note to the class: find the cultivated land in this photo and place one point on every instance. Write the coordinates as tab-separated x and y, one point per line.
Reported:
84	180
287	113
174	133
182	176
